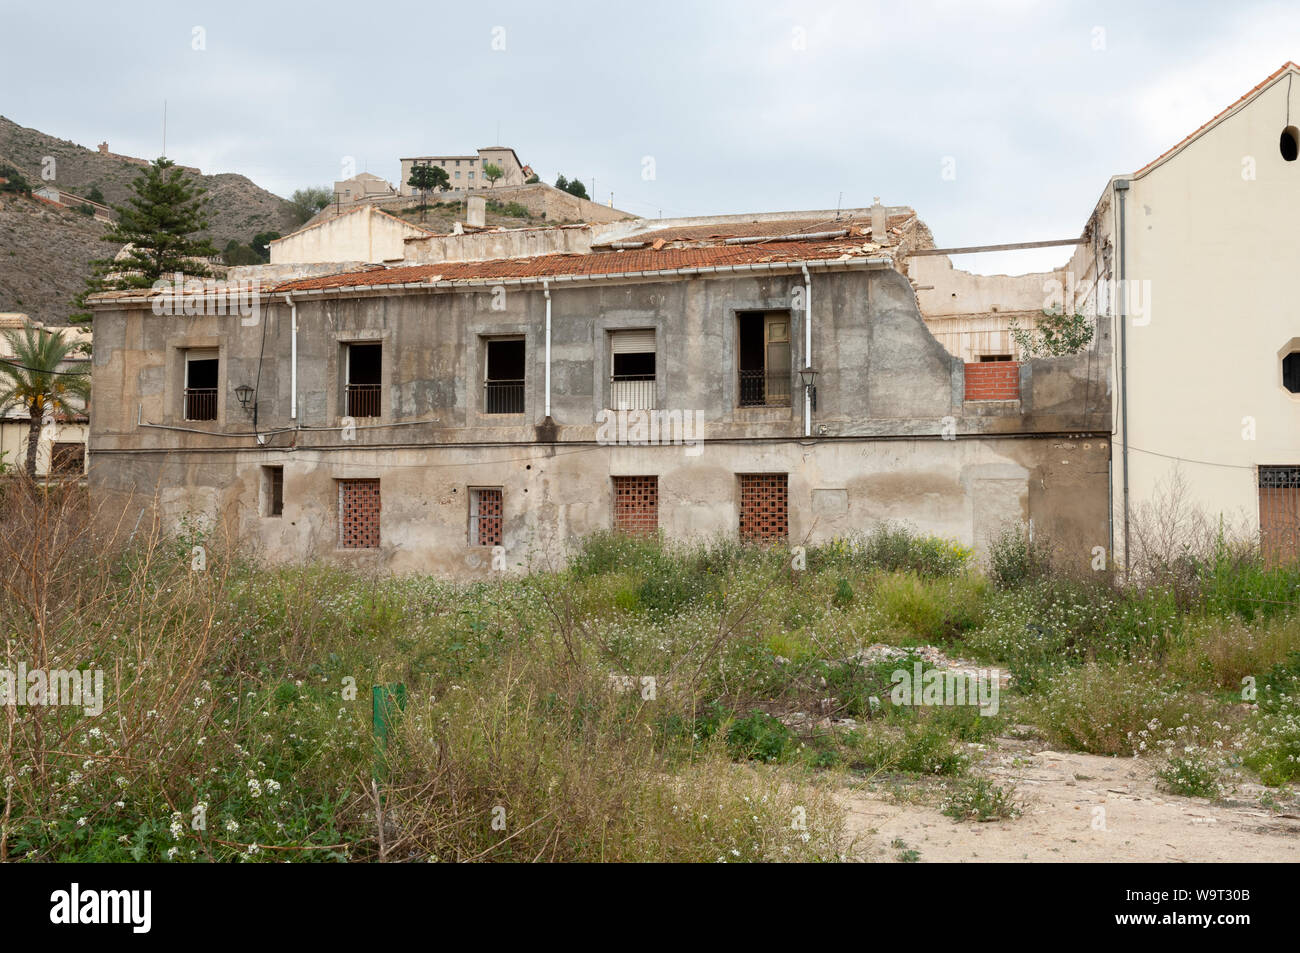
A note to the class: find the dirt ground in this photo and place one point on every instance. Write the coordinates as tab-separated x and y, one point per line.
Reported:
1060	822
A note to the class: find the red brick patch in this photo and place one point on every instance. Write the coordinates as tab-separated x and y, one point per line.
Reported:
993	380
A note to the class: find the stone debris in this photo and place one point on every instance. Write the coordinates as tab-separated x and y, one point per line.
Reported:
879	652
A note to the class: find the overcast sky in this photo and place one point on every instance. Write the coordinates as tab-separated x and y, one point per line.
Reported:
676	108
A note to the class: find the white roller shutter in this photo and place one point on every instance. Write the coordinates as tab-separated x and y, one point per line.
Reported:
641	341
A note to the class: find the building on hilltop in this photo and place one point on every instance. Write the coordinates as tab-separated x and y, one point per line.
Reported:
465	172
362	186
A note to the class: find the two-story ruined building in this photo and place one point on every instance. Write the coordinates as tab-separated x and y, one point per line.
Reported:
417	418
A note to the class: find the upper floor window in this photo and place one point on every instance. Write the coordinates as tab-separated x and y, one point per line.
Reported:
364	364
632	370
764	358
503	376
201	367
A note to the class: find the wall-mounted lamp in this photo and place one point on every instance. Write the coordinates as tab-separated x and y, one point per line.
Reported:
808	376
245	395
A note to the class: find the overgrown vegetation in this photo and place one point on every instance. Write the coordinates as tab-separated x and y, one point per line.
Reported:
1055	334
638	700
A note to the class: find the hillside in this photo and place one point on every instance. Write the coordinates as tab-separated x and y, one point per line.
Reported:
45	252
45	255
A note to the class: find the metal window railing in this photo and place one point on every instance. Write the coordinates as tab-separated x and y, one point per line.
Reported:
632	392
758	388
200	403
363	400
503	397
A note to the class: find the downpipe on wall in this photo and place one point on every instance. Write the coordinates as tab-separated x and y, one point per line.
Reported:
807	348
546	292
293	358
1121	187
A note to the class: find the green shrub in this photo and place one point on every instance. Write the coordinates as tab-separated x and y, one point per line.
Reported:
1196	772
979	799
1118	709
1271	741
932	609
891	547
919	749
1013	560
759	737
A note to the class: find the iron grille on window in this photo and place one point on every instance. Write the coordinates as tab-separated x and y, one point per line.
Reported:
200	403
1279	478
503	397
758	388
363	400
486	527
632	391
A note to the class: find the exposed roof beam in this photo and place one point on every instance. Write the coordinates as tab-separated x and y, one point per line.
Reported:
972	249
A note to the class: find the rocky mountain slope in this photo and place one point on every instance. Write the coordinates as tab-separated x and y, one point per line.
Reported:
45	252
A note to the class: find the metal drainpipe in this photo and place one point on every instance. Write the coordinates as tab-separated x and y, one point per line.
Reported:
293	358
807	348
546	290
1122	186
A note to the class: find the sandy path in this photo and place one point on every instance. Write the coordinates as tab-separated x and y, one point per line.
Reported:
1060	792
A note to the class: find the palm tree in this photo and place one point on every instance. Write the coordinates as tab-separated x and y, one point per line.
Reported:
33	380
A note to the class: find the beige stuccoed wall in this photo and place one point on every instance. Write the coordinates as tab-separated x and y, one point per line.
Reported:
13	442
966	490
364	235
509	243
1219	251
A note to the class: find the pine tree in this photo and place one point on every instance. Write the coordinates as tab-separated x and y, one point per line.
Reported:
159	222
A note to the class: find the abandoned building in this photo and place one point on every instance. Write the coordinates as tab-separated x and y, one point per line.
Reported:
758	381
466	172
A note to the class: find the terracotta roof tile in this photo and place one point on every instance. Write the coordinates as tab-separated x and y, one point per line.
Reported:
596	264
1288	65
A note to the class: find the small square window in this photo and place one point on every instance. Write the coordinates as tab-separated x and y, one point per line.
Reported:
764	507
486	513
359	514
636	505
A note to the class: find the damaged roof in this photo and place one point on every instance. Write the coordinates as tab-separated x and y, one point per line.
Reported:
592	265
787	228
559	265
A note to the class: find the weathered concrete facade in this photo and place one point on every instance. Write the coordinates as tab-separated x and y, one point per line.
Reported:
892	436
